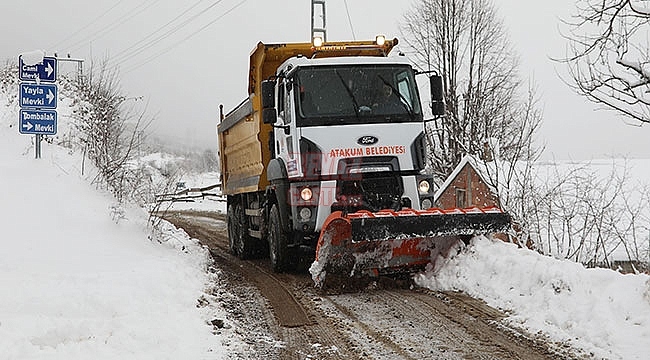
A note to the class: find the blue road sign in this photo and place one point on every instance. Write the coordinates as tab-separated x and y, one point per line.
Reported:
42	96
37	122
45	71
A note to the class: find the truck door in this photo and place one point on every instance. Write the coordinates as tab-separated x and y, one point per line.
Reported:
287	139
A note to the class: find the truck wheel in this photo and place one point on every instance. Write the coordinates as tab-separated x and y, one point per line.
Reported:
278	251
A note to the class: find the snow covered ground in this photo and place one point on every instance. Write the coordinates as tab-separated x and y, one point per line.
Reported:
603	312
79	276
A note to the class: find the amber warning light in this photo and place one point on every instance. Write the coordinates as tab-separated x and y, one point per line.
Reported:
318	42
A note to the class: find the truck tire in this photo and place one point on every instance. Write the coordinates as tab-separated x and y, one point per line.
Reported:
241	244
278	251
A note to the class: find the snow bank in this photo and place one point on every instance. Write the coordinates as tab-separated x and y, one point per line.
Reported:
598	310
80	278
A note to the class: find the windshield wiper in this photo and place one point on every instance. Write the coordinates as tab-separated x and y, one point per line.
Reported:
403	100
347	88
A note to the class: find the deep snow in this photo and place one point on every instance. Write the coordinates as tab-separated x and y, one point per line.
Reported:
603	312
80	277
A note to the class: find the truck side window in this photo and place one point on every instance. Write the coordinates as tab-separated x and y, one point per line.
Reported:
288	116
404	87
408	90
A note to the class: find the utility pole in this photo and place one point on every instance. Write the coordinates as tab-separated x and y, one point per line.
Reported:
318	28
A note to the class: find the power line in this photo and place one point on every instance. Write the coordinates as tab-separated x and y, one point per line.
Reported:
354	37
151	58
93	21
160	28
98	34
151	39
143	47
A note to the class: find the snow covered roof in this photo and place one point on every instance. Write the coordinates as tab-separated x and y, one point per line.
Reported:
480	170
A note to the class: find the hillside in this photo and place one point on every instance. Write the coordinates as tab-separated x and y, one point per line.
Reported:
83	274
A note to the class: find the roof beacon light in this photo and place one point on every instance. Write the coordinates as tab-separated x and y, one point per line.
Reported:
380	40
317	41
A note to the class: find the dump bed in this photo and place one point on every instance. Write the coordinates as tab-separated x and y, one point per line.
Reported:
243	137
243	157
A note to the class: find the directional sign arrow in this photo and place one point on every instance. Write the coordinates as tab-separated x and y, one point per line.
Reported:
49	96
49	70
38	122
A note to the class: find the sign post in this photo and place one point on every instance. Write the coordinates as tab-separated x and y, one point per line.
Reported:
38	98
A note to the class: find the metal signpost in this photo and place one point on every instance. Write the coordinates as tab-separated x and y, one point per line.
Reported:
38	99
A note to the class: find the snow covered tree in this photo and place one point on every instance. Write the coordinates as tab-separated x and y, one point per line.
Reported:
110	129
489	113
609	55
593	213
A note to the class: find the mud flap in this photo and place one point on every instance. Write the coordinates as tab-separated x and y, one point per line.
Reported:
395	242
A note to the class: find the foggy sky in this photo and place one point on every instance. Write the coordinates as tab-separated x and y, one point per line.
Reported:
186	74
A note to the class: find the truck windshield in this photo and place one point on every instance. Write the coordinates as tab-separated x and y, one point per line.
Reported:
330	95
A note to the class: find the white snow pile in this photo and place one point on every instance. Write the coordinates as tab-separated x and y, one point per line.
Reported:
32	57
600	311
80	277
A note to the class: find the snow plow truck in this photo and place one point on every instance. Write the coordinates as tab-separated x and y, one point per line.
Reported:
325	161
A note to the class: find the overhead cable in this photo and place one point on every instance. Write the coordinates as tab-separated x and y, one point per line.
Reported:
93	21
107	29
153	57
127	56
354	37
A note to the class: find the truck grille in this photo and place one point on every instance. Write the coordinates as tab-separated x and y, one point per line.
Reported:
372	193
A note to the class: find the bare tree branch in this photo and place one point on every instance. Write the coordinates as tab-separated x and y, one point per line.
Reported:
110	130
490	113
609	57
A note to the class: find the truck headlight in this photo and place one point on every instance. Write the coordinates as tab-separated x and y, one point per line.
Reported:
306	194
424	186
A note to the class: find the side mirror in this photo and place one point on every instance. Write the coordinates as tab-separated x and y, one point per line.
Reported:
268	94
437	95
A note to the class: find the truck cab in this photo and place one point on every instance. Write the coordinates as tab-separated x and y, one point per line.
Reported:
348	135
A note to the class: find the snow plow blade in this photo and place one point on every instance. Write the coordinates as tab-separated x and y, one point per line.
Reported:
366	244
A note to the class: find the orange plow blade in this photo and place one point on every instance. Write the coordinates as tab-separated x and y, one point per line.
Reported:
395	242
